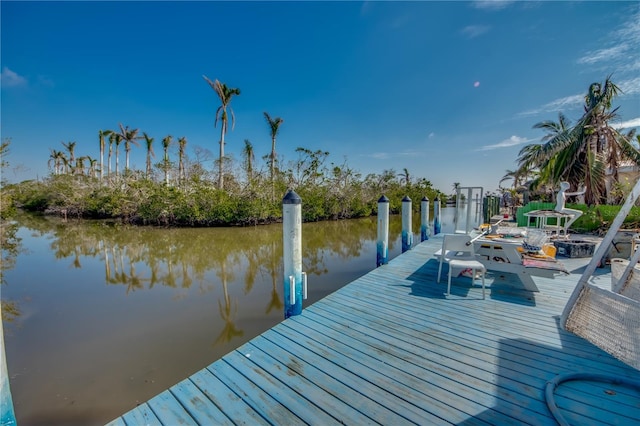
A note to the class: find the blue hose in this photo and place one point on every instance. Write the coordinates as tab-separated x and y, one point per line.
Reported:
561	378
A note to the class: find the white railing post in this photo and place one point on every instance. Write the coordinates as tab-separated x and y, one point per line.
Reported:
437	226
382	244
407	233
424	219
292	253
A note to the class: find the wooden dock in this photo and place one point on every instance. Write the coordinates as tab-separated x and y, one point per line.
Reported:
390	348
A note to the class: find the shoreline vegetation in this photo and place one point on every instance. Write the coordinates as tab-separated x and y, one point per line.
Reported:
327	194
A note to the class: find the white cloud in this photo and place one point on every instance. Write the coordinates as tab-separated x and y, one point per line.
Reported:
379	155
492	4
630	87
473	31
629	124
10	78
388	155
512	141
568	102
603	54
432	135
620	48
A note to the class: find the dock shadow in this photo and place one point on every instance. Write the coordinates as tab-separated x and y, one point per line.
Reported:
500	286
525	366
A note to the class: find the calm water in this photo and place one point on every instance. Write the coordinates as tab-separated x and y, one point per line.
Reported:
99	318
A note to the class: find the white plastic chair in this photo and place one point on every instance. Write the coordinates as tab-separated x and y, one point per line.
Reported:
458	252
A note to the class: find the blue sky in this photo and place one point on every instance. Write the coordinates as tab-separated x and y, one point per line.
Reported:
448	90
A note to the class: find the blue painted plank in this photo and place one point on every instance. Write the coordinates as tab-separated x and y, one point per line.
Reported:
302	377
117	422
389	390
198	405
461	392
220	394
262	402
457	328
169	411
142	415
456	314
279	390
354	390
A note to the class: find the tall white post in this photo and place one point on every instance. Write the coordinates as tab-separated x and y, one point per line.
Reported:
7	415
292	253
424	219
382	245
467	226
437	226
407	233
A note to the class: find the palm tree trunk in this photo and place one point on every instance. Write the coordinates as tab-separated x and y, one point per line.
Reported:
101	154
109	159
220	174
166	167
273	158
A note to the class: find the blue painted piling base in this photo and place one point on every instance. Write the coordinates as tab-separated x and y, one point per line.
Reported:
424	233
382	255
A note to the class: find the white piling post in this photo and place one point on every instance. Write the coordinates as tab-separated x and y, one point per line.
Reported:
424	219
437	226
7	414
292	253
467	226
407	233
382	244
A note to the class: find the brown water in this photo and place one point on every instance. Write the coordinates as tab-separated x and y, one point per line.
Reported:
99	318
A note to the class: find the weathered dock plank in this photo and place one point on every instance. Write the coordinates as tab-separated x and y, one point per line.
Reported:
390	348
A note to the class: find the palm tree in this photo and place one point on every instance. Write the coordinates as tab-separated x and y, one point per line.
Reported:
274	127
56	159
182	143
71	147
529	156
79	168
405	176
225	94
118	139
148	143
249	158
129	137
166	142
92	167
512	174
582	153
101	136
112	141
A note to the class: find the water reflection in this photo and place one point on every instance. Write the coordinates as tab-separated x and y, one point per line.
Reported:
111	315
11	246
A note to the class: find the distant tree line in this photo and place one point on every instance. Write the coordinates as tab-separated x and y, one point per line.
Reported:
186	193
